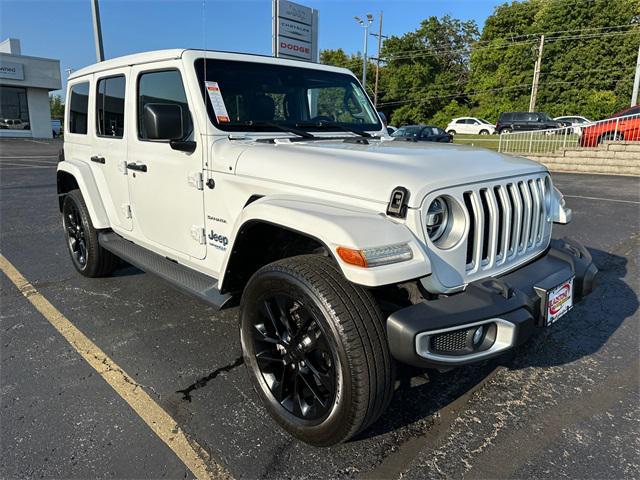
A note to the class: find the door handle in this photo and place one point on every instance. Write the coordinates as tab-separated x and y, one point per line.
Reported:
98	159
138	167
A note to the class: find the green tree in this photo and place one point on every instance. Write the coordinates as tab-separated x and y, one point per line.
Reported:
56	106
589	53
427	69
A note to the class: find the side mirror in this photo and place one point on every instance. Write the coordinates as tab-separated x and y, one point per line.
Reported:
383	117
163	121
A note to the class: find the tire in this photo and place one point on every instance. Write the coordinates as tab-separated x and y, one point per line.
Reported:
610	137
348	360
87	256
451	132
484	132
505	130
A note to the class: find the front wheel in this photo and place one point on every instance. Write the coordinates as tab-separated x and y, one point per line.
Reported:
315	348
484	132
451	132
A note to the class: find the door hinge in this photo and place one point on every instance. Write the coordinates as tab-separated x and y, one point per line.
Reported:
196	180
126	210
122	167
198	234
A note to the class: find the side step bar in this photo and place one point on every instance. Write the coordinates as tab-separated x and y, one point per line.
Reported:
202	286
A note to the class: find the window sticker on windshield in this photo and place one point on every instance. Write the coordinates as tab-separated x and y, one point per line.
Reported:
217	102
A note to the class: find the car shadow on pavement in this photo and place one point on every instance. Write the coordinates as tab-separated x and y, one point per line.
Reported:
584	331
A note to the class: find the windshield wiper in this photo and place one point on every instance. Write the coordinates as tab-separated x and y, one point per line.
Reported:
277	126
326	123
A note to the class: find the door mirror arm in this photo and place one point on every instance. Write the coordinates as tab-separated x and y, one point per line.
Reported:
188	146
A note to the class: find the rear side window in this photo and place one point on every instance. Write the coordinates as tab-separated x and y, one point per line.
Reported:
162	87
79	108
110	107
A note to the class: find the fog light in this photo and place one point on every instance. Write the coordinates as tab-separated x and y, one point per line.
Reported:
477	335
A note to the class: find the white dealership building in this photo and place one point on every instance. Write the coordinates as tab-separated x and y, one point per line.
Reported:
25	83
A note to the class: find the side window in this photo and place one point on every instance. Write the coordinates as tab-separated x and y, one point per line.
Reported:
110	106
162	87
79	108
460	121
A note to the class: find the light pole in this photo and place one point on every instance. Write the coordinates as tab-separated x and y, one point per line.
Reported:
365	24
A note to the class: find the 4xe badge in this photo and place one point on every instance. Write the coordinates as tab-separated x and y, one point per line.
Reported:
559	301
217	240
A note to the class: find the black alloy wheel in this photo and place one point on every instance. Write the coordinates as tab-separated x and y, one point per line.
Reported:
76	237
294	357
315	349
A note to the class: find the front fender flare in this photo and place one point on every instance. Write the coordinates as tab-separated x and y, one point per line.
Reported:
336	225
89	189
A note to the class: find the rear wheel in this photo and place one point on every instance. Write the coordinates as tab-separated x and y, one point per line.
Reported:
88	257
506	130
610	137
316	350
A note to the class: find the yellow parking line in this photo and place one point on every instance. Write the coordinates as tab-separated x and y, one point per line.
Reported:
151	413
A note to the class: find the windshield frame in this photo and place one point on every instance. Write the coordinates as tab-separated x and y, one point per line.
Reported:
199	68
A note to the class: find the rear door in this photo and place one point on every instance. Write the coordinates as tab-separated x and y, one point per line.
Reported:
165	184
109	153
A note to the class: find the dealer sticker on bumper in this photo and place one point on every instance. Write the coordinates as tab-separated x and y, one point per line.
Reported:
559	301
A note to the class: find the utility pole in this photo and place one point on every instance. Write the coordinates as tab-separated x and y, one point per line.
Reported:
380	37
97	30
536	76
636	82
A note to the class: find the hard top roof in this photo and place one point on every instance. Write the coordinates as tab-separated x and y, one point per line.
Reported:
176	53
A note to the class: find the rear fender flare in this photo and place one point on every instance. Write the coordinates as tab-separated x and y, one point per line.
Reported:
81	172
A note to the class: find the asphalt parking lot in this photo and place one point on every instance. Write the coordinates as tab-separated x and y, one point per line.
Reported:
565	404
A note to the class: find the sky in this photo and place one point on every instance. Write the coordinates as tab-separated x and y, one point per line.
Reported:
62	29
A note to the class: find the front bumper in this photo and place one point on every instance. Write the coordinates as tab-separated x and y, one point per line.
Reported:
510	308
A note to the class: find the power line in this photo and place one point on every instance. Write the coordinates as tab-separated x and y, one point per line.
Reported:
478	92
606	71
407	54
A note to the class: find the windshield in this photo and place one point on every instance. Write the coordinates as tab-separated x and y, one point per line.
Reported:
248	96
485	121
407	132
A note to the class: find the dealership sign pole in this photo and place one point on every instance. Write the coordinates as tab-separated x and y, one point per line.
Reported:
295	31
97	30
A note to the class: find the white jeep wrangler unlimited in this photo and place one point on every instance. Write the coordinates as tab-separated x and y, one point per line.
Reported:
274	182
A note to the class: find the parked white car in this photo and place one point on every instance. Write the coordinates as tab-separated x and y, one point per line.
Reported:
470	125
575	121
274	182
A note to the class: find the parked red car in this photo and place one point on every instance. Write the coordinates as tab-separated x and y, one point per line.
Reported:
624	125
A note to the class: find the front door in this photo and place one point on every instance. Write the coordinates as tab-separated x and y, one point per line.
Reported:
166	192
109	152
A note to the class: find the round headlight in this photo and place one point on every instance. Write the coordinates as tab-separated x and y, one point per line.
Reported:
438	216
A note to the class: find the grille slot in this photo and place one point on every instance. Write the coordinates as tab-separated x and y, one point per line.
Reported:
450	342
507	221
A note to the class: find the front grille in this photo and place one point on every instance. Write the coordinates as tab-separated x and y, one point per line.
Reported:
506	222
450	342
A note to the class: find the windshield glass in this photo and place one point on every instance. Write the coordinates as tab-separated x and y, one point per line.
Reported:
407	132
485	121
247	96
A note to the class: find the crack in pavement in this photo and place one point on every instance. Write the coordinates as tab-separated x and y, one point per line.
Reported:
186	393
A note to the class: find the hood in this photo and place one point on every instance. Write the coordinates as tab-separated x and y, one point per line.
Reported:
372	171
